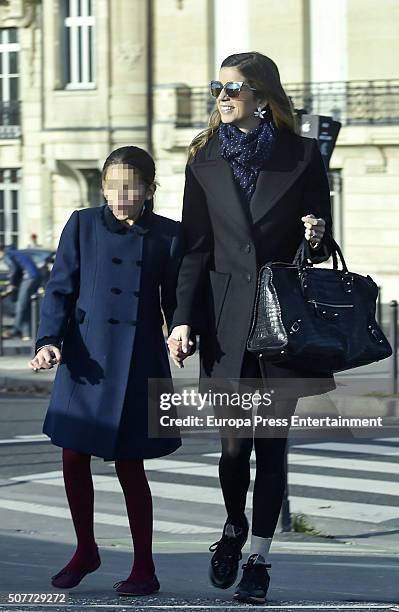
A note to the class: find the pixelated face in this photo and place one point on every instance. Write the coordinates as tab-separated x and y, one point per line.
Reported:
240	110
125	191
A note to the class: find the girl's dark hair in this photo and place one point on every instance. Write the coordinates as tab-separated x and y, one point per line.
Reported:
136	158
262	73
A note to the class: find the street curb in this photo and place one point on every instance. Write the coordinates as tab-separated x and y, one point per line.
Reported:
13	384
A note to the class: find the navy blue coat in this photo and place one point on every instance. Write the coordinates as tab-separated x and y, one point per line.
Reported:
102	306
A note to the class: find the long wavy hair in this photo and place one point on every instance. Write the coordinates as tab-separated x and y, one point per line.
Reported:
262	74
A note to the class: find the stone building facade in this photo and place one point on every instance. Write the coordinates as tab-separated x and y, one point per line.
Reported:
75	79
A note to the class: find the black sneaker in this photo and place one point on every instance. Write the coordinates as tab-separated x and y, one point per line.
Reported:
223	567
254	583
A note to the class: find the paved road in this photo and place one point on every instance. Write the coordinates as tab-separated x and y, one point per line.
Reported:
348	489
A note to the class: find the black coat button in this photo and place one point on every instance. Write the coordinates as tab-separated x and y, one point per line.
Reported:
116	290
247	248
136	293
116	260
249	277
139	262
113	321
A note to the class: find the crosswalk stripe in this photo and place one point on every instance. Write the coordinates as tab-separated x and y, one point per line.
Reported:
344	447
343	463
165	490
24	440
356	511
381	487
383	467
348	447
212	495
101	517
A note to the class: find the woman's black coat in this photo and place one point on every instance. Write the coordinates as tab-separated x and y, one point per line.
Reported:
227	241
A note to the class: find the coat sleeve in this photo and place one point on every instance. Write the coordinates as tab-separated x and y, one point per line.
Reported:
316	200
169	282
192	283
62	288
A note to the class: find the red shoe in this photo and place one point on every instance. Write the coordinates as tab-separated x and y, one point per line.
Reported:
144	587
68	579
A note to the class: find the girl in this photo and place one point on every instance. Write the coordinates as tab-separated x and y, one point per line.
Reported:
101	321
253	189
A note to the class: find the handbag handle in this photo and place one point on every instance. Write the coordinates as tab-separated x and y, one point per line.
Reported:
303	253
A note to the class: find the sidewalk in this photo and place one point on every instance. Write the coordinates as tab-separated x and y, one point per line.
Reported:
15	375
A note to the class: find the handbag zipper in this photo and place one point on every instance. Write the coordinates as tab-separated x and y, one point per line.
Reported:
328	304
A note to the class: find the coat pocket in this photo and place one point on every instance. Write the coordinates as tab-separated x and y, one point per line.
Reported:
219	284
79	315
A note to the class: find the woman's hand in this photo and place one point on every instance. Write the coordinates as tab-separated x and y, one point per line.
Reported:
180	345
314	229
46	358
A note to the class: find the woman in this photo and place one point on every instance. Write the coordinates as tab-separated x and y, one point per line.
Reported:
116	266
253	189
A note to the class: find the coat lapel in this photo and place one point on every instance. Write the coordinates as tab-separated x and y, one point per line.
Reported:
217	179
283	168
287	162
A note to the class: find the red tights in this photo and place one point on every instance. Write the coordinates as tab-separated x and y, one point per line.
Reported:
79	489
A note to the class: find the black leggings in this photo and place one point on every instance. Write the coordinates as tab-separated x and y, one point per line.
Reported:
234	470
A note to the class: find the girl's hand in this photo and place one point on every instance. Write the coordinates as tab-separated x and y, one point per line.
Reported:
314	228
179	344
46	358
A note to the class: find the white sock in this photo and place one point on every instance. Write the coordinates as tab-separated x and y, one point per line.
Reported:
260	546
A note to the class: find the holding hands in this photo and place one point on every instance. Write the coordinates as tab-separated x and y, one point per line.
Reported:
180	345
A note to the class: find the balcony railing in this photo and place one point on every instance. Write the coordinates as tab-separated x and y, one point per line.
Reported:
350	102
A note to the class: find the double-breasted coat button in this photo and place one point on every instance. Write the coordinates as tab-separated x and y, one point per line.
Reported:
249	277
116	290
113	321
136	293
247	248
139	262
116	260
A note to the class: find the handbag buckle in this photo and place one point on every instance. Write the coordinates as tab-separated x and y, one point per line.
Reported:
347	279
304	281
375	334
295	326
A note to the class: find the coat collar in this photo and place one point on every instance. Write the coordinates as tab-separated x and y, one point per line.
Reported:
287	161
140	227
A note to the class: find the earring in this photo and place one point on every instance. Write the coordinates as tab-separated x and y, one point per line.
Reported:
260	112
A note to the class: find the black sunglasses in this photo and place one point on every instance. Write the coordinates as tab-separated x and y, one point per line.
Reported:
232	88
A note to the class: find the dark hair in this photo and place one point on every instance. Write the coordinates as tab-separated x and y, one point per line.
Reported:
136	158
262	73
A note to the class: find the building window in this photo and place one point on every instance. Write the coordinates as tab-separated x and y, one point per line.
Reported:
9	205
9	83
78	37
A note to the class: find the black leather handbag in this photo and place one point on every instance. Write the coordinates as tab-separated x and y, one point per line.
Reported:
317	319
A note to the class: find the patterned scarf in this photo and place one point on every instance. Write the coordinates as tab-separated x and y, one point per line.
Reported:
246	153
